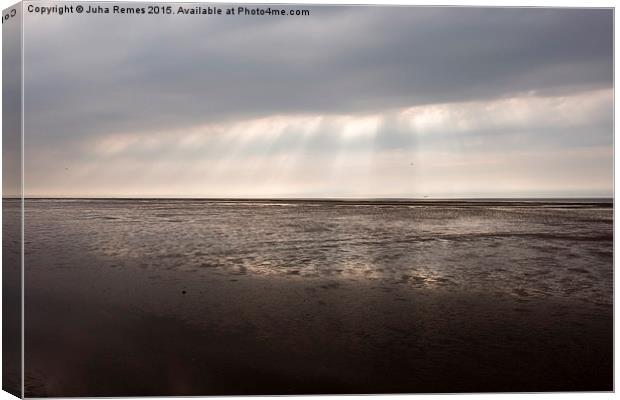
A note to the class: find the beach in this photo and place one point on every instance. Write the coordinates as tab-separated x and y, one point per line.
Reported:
224	297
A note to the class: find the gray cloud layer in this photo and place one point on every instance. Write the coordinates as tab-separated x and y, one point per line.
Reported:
88	78
110	73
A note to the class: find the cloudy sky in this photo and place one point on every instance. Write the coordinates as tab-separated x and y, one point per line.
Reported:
346	102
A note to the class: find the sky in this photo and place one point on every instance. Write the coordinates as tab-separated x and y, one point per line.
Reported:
349	102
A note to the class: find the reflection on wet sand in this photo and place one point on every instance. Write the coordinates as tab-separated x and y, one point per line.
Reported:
196	297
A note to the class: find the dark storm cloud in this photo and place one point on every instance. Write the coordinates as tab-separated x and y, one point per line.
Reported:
103	74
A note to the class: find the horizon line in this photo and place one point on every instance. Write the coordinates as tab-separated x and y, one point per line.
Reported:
524	198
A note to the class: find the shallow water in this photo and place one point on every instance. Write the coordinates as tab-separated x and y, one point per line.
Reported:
518	251
364	296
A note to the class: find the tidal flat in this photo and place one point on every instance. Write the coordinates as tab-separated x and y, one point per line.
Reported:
224	297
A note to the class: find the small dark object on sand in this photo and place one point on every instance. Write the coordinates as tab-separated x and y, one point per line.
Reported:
183	291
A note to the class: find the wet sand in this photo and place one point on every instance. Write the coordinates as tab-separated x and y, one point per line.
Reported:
158	307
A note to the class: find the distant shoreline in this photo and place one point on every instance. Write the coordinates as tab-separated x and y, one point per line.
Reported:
515	202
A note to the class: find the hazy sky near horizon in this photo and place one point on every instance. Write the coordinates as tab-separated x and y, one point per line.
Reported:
346	102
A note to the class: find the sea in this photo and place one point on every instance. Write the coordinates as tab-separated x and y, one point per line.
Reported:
296	296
